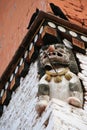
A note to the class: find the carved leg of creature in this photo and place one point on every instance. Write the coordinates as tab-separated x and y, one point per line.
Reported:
42	104
76	93
74	101
43	98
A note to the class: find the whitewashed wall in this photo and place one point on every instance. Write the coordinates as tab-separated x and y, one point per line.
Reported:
21	115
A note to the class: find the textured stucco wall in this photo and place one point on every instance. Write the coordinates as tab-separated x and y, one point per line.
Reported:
14	18
15	15
75	11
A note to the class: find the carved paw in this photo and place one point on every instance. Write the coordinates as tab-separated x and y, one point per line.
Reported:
40	106
74	101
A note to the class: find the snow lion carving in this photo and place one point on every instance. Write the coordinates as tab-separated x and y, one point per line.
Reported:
57	79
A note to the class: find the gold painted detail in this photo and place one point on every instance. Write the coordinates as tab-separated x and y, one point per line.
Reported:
68	76
58	79
58	76
54	74
48	78
63	72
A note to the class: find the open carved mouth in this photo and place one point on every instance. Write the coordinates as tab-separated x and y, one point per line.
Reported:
56	56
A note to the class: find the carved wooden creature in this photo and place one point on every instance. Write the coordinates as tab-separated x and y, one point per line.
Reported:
58	81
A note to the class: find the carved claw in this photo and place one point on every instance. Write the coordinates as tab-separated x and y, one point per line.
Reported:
74	101
40	106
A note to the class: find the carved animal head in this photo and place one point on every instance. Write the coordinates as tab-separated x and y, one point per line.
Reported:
54	55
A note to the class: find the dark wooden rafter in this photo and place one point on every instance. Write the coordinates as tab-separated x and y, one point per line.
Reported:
41	18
